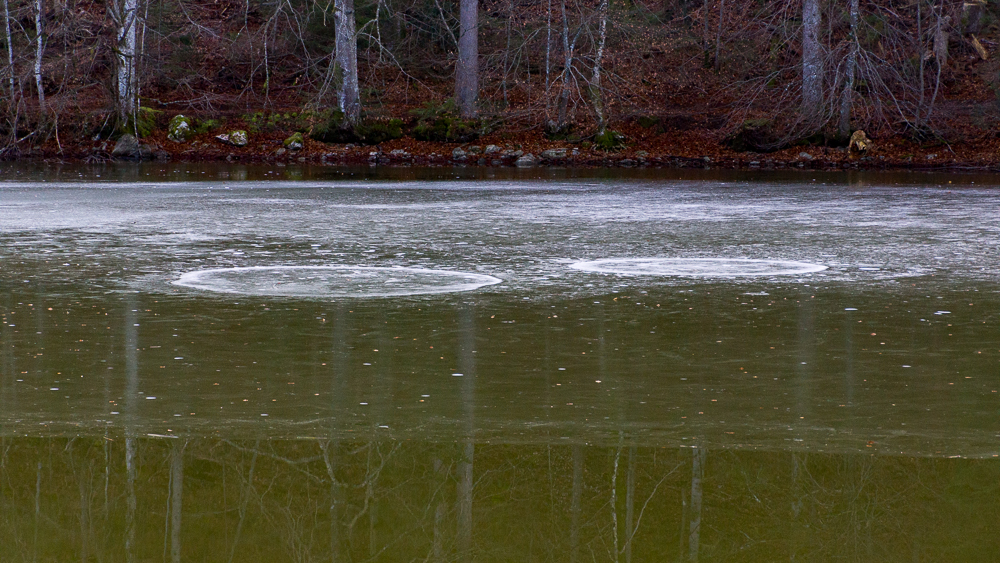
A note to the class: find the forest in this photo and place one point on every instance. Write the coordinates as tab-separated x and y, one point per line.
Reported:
604	82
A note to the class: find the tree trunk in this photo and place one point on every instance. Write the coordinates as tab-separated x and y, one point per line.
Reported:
847	100
467	71
718	36
812	62
567	75
10	48
127	17
348	97
596	95
548	50
39	51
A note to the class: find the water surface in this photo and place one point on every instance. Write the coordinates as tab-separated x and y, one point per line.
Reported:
724	416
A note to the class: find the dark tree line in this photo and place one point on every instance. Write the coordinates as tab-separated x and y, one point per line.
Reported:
781	70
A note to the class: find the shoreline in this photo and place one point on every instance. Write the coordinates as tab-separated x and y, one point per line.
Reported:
669	150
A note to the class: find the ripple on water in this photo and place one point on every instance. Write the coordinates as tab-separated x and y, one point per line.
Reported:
697	267
333	281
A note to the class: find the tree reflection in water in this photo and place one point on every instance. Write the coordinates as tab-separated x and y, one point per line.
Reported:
311	500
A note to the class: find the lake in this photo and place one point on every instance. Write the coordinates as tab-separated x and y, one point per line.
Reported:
248	363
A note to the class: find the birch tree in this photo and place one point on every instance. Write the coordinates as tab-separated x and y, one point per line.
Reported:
10	47
125	14
39	51
596	96
346	61
467	70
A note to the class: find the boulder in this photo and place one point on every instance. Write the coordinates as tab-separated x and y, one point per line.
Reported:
459	153
554	154
491	149
526	160
237	138
128	147
180	129
295	142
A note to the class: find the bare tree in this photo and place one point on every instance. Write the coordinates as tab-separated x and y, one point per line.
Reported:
10	46
812	60
346	61
467	70
125	14
596	96
847	98
39	51
568	47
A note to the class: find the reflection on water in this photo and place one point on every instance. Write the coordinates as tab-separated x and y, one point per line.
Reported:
788	367
561	415
68	499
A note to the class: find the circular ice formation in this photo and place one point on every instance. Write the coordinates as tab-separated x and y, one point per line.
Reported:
697	267
333	281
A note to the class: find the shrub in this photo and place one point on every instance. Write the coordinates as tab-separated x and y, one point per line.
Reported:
609	140
754	135
439	122
368	132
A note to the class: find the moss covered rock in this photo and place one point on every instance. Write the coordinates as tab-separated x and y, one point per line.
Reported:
237	138
180	129
295	142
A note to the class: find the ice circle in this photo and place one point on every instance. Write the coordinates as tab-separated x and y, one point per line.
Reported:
697	267
333	281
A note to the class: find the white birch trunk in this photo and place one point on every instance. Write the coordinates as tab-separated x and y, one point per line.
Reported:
812	60
348	97
467	70
39	51
596	95
127	17
10	47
